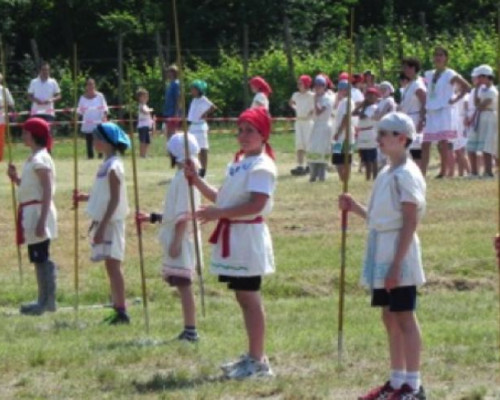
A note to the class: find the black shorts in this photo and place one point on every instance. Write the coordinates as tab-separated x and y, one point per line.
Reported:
400	299
338	159
416	154
144	135
39	252
247	283
368	155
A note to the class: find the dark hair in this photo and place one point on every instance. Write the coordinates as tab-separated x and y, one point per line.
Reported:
39	141
402	76
442	49
120	147
44	64
173	160
412	62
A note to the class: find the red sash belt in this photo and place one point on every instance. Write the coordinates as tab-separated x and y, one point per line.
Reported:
19	226
223	229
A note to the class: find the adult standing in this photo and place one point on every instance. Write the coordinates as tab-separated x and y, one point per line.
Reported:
9	102
171	108
44	92
440	126
93	108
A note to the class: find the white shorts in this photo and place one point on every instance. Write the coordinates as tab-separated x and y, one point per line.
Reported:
113	245
200	132
303	131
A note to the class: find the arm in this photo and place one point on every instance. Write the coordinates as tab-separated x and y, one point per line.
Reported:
483	104
292	104
205	189
56	97
45	177
410	222
422	97
209	111
12	174
347	203
255	205
175	247
464	88
114	191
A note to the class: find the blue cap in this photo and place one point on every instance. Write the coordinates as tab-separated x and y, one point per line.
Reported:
113	134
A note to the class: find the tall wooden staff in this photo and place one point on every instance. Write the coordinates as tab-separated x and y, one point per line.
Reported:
187	156
75	182
498	153
137	208
9	153
345	189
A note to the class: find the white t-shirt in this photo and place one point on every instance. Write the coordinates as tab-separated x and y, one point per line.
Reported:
410	104
30	189
198	107
367	136
357	95
304	104
92	111
440	93
326	102
144	119
260	100
100	194
341	112
43	90
10	102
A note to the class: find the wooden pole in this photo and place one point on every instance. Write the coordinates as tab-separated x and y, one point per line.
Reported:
345	189
197	248
8	140
498	154
144	288
75	183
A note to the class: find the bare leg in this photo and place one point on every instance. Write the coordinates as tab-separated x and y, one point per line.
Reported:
396	340
188	305
488	164
116	281
300	157
255	321
473	162
443	147
411	338
426	153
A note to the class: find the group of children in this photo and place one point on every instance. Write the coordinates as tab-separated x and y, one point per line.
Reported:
439	103
242	253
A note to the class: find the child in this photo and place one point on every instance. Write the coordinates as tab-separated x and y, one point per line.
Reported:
318	148
243	251
366	142
176	233
36	221
144	122
387	104
262	91
470	126
486	132
107	207
199	109
457	156
413	104
302	103
393	265
340	130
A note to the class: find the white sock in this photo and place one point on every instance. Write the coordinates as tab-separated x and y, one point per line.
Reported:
397	378
413	379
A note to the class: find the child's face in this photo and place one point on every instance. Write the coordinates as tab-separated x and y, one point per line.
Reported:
483	80
144	98
371	98
194	92
440	59
253	89
27	138
101	146
301	86
390	143
320	89
249	138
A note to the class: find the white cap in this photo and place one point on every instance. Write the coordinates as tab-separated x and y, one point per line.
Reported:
474	74
175	146
484	70
386	85
398	122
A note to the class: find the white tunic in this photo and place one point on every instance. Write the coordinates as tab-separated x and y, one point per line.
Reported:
30	189
144	118
367	136
43	90
198	107
251	249
441	92
341	112
260	100
320	140
304	105
9	101
392	187
100	193
92	111
411	105
488	120
177	205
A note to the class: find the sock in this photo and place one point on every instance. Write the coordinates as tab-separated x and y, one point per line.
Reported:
202	172
189	328
413	379
398	378
120	310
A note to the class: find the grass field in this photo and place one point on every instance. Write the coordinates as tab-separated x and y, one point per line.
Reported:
59	356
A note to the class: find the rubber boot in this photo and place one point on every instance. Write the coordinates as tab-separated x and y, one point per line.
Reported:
36	307
50	277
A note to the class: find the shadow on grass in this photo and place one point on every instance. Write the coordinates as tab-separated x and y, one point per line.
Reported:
174	381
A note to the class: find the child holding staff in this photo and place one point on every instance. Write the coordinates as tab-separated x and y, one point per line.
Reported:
243	253
36	220
176	233
108	207
393	264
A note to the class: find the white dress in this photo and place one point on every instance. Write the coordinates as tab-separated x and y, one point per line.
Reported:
250	245
488	120
304	109
30	190
392	187
198	127
367	136
318	149
440	119
176	207
92	111
113	245
341	112
410	105
260	100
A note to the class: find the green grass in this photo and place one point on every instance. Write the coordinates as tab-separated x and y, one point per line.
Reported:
59	356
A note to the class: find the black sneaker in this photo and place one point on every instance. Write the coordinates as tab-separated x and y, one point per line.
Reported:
421	394
298	171
189	336
117	318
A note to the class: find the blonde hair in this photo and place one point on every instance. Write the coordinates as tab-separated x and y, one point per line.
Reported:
141	92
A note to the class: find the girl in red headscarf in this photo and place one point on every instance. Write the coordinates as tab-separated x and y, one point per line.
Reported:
243	252
262	91
36	221
302	103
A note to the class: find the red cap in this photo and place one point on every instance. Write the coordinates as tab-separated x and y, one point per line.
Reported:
373	90
40	128
344	76
261	85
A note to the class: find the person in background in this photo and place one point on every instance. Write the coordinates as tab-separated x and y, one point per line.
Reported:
6	105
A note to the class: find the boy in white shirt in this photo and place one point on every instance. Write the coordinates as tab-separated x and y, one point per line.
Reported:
44	92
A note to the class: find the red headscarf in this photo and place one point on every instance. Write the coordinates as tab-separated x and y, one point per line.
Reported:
344	76
306	81
261	120
261	85
40	128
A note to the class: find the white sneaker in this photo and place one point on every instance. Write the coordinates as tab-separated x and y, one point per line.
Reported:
250	368
229	366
